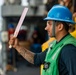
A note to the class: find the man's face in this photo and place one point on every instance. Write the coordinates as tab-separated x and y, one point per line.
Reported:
49	28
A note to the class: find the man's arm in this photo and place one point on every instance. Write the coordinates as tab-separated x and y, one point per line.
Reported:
27	54
34	58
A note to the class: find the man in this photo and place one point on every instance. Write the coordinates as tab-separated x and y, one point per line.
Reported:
60	58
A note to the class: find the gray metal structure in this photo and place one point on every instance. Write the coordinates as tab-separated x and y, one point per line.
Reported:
16	10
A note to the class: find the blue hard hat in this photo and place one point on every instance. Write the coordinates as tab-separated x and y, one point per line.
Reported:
10	26
60	13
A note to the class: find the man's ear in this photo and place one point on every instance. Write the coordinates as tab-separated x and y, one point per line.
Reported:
60	26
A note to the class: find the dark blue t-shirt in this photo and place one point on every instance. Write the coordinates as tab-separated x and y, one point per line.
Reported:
67	60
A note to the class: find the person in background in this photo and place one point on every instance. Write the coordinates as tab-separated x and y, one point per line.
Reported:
22	37
49	5
71	4
60	57
23	41
35	45
11	52
67	3
74	17
10	30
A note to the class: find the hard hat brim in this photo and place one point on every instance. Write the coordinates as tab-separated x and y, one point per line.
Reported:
69	21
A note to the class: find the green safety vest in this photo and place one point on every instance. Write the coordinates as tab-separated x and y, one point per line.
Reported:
52	55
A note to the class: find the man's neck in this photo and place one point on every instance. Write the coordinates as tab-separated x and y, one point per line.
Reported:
60	36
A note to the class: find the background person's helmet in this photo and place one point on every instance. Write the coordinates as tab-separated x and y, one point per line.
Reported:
10	26
60	13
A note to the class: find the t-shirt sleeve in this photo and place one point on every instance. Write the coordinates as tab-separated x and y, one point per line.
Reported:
39	58
68	55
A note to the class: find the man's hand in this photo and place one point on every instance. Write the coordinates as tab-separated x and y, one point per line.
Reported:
13	42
